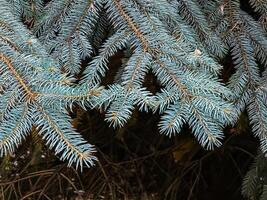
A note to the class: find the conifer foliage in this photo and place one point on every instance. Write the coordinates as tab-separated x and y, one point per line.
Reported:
44	43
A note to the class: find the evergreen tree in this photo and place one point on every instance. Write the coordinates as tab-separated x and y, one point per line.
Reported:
44	45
